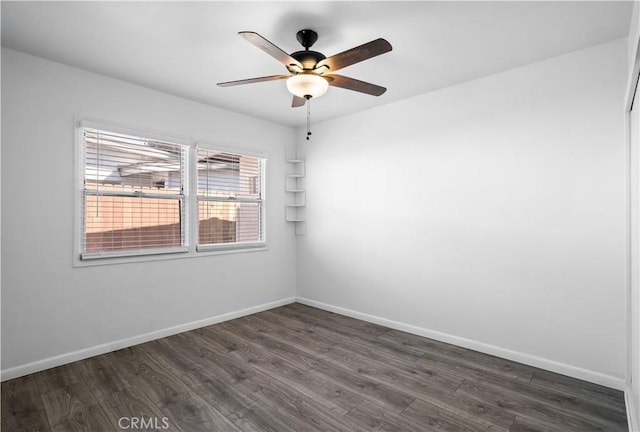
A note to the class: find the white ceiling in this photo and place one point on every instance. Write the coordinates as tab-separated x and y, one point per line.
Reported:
184	48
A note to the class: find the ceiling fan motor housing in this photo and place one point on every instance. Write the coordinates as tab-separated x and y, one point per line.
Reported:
308	58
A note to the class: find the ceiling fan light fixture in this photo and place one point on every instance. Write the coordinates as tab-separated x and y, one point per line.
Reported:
307	85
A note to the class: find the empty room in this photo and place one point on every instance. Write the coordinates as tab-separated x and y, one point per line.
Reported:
320	216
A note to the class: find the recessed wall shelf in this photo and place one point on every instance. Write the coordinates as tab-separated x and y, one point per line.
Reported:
296	194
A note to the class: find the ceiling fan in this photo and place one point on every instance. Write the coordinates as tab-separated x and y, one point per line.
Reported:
310	72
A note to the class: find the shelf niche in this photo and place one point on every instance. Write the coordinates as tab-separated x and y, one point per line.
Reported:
296	199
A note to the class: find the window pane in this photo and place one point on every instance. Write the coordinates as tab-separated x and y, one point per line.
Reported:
228	175
117	165
224	178
131	163
228	222
125	223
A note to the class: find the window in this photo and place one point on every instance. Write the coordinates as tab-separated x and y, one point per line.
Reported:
134	195
141	196
230	199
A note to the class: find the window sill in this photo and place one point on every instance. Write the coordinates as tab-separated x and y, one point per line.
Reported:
133	253
229	247
89	260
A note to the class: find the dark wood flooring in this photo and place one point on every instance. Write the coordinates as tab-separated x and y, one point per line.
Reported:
298	368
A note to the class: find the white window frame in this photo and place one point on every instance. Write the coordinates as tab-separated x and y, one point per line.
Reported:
190	249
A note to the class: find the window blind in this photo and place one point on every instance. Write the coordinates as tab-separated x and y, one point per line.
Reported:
230	198
133	194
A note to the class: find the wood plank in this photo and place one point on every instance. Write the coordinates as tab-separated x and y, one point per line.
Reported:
21	397
162	387
177	365
413	380
74	408
461	368
268	397
491	363
246	409
101	368
33	422
316	345
159	385
87	419
384	358
430	388
195	414
256	418
323	391
189	347
61	376
297	373
219	339
533	409
570	404
103	375
336	324
595	393
10	423
300	411
130	403
344	335
278	316
278	347
359	325
130	362
435	418
376	418
522	424
376	391
225	398
372	390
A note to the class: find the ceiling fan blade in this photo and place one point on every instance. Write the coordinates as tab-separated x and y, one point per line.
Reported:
297	101
356	55
355	85
253	80
270	49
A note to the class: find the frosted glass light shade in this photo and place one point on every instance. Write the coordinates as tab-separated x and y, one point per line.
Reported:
307	85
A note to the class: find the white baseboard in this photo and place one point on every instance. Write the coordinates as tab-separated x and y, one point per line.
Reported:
84	353
542	363
632	416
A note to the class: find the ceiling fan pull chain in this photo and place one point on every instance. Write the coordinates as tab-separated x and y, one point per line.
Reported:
308	118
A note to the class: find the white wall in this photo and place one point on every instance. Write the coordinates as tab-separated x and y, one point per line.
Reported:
50	308
633	298
490	214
